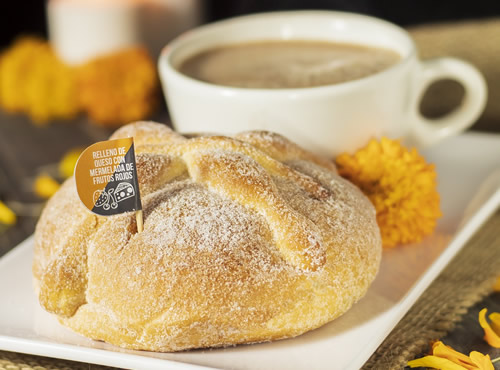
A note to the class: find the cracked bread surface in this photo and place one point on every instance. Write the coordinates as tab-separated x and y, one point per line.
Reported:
246	239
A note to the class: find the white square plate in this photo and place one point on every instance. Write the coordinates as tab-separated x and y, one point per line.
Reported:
468	169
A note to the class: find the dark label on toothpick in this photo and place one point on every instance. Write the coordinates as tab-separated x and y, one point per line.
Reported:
106	178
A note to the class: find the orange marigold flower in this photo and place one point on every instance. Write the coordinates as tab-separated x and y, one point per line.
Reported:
491	331
446	358
120	87
401	186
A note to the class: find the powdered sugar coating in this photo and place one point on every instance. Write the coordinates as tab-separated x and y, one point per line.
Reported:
244	240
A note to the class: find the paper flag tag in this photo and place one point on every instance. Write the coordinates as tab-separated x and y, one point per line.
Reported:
106	177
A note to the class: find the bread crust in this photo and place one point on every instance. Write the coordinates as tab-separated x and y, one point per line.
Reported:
246	239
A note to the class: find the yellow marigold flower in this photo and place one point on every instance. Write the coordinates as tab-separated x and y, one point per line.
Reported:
120	87
45	186
6	215
33	80
491	331
15	66
51	88
446	358
68	162
401	186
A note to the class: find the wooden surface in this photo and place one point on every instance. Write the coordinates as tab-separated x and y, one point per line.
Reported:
27	150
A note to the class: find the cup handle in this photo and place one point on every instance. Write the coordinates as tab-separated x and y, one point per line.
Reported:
429	131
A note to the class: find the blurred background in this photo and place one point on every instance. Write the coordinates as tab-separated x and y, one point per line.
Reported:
28	16
54	104
465	29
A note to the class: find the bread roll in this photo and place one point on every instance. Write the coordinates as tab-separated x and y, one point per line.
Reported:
246	239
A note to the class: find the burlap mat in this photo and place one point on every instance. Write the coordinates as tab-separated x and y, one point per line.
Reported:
18	361
470	276
465	281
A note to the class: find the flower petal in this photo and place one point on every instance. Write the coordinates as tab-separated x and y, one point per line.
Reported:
435	363
68	162
441	350
6	215
490	336
45	186
496	286
483	362
495	322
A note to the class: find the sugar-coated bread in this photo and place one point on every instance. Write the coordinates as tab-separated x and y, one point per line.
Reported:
246	239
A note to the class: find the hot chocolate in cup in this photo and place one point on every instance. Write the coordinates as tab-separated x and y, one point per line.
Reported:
295	96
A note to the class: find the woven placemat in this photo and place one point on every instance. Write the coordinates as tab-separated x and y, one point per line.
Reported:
19	361
465	281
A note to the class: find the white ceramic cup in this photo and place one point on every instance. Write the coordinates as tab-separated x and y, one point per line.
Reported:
329	119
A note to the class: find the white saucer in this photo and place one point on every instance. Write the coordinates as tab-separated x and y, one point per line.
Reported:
469	183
